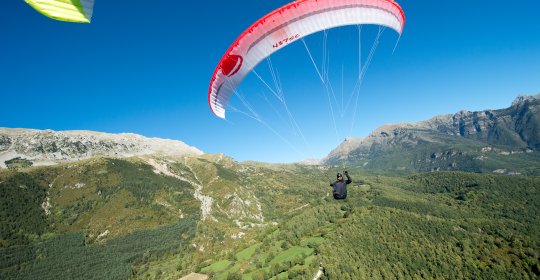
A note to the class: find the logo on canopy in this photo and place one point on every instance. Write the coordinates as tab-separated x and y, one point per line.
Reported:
232	64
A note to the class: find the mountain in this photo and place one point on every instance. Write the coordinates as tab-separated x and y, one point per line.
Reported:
129	207
76	198
115	218
502	141
46	147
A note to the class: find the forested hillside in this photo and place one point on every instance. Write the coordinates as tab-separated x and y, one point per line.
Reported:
149	218
441	225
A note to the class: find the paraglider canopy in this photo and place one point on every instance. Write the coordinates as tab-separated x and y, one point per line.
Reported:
65	10
289	24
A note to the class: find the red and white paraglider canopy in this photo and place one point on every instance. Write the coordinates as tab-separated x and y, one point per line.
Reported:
286	25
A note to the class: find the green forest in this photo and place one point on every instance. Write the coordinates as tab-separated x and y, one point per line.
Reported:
120	219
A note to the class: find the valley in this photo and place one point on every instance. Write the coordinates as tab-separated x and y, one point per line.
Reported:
125	218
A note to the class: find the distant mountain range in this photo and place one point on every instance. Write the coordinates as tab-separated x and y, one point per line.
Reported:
500	141
503	141
46	147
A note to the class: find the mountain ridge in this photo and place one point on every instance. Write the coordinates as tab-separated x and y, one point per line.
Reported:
47	147
515	129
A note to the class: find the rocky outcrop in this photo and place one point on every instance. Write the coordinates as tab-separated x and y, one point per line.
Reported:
50	147
516	127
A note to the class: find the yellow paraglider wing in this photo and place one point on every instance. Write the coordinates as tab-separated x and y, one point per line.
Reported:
65	10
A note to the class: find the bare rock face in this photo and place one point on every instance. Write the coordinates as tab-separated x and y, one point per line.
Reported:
5	143
45	147
516	127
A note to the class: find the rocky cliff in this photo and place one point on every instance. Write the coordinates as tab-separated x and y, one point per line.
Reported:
465	134
49	147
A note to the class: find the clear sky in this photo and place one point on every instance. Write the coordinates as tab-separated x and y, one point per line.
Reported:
144	67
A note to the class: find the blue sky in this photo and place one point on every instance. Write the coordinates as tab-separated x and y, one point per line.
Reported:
144	67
